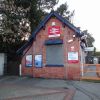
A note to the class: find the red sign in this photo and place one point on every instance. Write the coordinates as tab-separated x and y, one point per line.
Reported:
73	61
54	31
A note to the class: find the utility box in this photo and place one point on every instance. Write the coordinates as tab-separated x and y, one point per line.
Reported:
2	62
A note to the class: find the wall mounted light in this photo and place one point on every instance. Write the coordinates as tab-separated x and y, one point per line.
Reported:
53	23
73	36
71	40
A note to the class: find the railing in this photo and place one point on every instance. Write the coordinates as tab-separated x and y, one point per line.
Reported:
91	71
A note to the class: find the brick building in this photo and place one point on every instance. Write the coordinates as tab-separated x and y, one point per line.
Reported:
53	50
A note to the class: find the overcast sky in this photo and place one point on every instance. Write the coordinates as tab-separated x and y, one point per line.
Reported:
87	16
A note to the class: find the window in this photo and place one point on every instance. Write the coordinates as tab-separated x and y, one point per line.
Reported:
54	55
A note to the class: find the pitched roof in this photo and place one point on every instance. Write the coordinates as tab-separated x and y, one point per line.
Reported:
42	24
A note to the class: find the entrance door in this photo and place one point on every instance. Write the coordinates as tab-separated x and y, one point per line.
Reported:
1	64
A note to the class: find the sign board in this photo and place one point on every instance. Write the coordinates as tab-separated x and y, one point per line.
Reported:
72	57
38	61
89	48
54	31
29	60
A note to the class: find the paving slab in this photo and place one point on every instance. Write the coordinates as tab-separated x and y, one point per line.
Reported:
26	88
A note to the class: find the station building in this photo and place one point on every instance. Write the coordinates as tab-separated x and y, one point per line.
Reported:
54	50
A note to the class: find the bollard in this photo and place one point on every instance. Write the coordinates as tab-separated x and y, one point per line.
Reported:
20	70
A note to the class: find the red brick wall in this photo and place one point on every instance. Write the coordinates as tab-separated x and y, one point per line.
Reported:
49	72
72	69
26	70
69	71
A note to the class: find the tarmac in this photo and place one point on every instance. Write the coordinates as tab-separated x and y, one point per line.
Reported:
28	88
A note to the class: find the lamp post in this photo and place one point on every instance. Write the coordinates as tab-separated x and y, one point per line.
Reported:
82	73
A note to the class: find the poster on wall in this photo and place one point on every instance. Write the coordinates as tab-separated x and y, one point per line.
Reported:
54	31
38	61
72	57
29	60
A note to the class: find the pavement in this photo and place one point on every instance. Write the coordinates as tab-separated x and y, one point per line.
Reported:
27	88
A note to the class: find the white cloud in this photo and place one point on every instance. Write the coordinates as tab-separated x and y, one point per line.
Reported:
87	16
